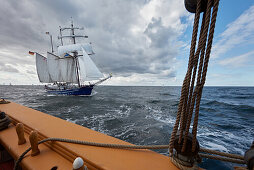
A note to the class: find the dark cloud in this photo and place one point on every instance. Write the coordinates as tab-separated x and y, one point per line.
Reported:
110	25
158	34
20	25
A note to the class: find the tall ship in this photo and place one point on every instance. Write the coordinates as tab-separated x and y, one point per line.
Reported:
69	70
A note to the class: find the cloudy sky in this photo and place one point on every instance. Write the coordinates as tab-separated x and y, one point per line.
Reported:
142	42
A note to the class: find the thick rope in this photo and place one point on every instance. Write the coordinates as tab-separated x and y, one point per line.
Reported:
185	84
221	153
4	121
3	101
222	158
117	146
185	116
207	56
231	157
205	24
181	165
190	96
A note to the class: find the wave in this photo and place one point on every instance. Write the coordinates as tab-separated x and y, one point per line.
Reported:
175	103
159	115
154	101
244	97
49	95
231	126
243	107
223	140
205	109
215	103
167	94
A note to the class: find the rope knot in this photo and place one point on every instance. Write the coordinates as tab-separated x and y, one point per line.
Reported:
3	101
184	155
4	121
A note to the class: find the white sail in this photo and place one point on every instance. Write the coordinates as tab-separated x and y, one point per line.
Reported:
75	48
61	69
42	69
88	70
53	67
68	70
71	64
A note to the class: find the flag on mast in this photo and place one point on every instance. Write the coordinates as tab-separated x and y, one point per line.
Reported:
31	53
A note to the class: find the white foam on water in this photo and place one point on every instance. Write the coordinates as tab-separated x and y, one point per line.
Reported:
217	139
73	121
126	133
122	112
49	95
94	93
158	115
212	145
125	130
71	109
157	110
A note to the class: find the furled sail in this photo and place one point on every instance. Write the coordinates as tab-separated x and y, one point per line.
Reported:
75	48
61	69
88	70
42	69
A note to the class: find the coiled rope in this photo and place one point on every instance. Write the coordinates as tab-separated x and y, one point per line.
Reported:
3	101
4	121
227	157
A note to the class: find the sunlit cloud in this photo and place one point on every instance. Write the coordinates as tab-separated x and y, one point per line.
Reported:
238	61
239	32
130	38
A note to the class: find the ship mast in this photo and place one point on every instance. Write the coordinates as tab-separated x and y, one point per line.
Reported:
75	53
61	35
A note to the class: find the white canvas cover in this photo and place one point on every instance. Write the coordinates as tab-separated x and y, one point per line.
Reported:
42	69
74	48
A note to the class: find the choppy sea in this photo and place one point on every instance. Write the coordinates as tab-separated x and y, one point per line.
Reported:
146	115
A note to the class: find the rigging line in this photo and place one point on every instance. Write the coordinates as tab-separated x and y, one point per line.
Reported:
207	56
183	91
202	43
231	157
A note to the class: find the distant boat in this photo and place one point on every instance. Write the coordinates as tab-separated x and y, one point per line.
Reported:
70	71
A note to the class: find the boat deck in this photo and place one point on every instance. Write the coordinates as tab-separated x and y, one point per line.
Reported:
63	154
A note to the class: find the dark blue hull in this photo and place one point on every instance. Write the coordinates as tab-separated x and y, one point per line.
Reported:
85	90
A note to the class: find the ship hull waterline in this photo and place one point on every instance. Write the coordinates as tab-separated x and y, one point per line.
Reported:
85	90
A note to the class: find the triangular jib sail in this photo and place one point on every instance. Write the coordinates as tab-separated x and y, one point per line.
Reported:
88	70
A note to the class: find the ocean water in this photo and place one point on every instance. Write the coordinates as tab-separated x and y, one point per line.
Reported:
146	115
